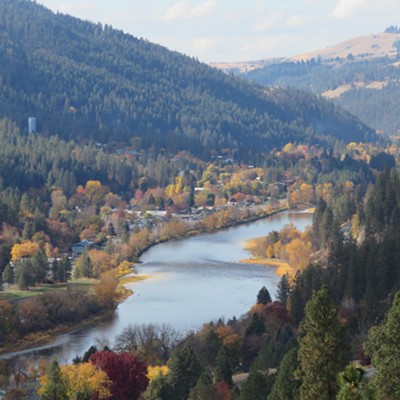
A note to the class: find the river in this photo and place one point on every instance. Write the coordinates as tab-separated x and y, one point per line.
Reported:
192	281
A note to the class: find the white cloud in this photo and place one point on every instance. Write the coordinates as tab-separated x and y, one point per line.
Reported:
183	9
348	8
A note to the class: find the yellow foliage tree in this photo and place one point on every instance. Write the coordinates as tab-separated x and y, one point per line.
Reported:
124	268
299	252
25	249
155	372
106	291
85	378
101	261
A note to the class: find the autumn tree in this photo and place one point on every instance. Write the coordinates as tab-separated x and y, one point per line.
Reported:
323	349
299	252
106	291
127	373
85	381
25	249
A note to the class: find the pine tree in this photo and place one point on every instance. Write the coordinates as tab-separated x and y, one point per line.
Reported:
204	389
286	386
383	346
257	386
263	296
39	267
184	371
283	290
54	387
223	367
323	349
351	384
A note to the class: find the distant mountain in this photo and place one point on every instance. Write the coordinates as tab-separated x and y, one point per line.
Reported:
360	75
89	82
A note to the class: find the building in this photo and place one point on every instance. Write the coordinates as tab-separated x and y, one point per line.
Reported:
78	248
31	125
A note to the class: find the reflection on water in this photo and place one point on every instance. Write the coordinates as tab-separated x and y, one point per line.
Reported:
192	281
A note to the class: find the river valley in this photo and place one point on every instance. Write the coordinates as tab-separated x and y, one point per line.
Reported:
192	281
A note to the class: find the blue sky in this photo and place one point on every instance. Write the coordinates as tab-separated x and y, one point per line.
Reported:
238	30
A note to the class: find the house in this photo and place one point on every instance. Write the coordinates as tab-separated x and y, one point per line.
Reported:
78	248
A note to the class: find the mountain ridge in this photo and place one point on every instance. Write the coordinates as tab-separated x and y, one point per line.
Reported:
86	81
365	47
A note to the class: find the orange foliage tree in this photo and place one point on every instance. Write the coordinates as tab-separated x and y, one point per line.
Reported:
25	249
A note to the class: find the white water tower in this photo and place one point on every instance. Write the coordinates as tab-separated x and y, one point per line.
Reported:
31	125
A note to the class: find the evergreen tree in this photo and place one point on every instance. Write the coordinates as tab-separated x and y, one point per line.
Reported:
23	274
283	290
62	269
54	387
211	347
323	349
204	389
286	386
263	296
184	371
256	326
257	386
39	266
83	267
223	367
351	384
8	275
383	346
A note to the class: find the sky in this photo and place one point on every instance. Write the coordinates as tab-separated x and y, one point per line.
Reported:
238	30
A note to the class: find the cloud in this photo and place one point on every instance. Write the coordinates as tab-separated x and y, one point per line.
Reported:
348	8
185	10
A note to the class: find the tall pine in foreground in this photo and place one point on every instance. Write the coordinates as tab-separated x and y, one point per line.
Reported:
323	349
383	346
53	387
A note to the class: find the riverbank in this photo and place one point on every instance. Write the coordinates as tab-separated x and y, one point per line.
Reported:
206	227
282	267
48	337
299	252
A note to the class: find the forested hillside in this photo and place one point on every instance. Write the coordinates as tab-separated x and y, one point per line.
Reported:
368	88
85	81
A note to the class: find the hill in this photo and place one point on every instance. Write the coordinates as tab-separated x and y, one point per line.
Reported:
89	82
360	75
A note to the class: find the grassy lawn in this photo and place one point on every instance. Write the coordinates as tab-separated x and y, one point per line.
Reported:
13	293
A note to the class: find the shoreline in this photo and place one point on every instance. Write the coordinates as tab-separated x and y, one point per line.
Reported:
49	338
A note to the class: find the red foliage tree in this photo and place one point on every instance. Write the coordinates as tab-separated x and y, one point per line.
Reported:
223	391
127	373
